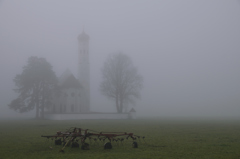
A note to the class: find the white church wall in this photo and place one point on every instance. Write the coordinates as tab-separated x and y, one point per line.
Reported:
72	100
132	115
84	69
87	116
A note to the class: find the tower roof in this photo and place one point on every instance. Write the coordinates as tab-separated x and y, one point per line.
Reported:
83	36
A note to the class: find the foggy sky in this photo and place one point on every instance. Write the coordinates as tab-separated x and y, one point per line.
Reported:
188	51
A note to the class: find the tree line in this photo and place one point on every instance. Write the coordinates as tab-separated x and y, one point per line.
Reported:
37	83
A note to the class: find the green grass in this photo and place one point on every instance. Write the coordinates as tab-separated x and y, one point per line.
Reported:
187	139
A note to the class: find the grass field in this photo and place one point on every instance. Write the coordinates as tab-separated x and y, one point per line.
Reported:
187	139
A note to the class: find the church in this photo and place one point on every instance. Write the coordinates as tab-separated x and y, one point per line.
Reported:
72	100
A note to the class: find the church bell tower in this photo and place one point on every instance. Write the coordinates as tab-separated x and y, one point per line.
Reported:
83	68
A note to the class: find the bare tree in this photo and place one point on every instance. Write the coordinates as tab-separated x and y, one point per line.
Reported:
121	81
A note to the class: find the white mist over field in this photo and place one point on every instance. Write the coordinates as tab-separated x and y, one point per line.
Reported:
188	52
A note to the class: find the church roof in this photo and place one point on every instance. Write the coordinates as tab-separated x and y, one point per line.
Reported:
67	80
70	82
132	110
64	76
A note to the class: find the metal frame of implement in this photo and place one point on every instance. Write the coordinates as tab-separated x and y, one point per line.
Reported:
73	135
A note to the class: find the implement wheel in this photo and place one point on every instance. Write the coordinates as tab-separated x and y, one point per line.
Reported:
85	146
75	144
135	144
108	145
58	142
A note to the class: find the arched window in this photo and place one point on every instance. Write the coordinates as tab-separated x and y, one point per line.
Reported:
65	94
58	95
72	107
64	108
72	94
53	108
60	108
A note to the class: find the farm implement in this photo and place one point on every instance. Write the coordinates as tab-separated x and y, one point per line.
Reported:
77	137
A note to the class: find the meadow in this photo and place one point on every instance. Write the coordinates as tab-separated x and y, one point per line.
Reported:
165	138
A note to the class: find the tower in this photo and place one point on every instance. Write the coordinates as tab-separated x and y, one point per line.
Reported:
83	68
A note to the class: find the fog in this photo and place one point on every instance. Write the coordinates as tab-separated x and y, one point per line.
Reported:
187	51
